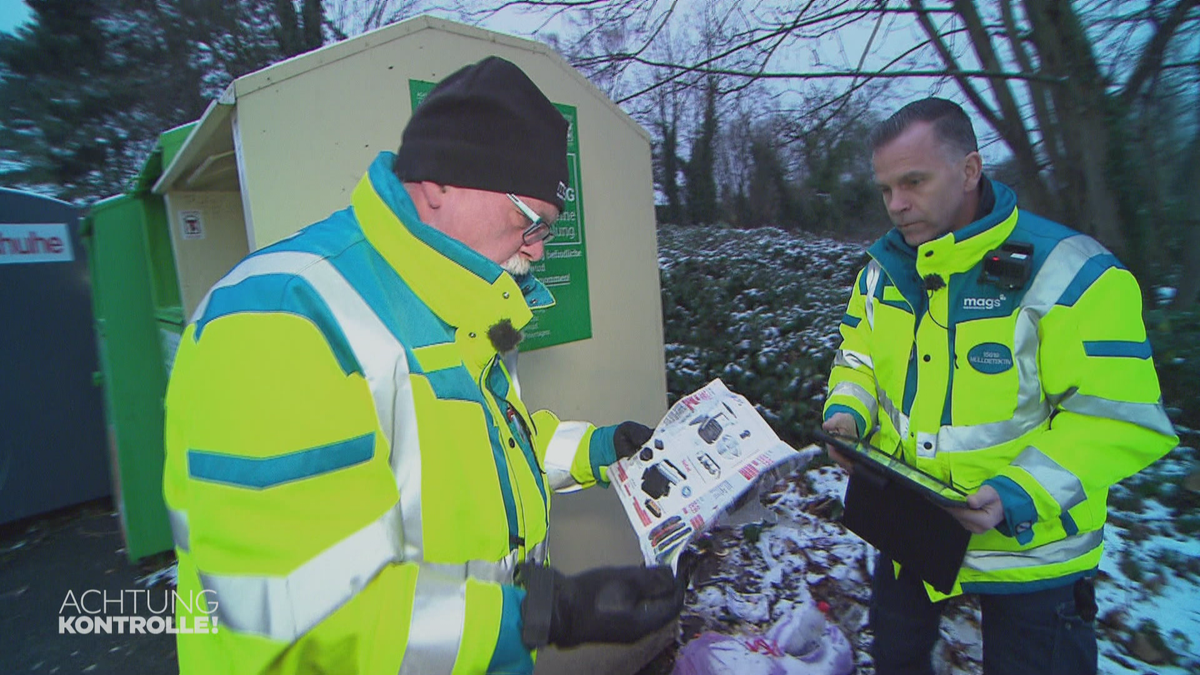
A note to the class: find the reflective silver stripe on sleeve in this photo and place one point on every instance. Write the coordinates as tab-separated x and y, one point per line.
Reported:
499	572
288	262
1061	267
874	271
1150	416
1064	486
179	528
1057	273
858	392
560	453
539	553
1059	551
899	420
401	413
439	611
852	359
1032	407
435	630
981	436
385	367
284	608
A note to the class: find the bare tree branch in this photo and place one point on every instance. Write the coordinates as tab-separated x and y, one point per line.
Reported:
567	4
1010	123
1038	94
952	67
1153	53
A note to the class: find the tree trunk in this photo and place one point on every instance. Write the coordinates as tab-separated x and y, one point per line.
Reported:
1047	123
1185	185
701	182
1008	123
1189	282
669	163
1081	110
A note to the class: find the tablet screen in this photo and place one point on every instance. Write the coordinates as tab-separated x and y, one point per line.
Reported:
933	487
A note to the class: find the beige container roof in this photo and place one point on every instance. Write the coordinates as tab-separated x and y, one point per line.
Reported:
207	161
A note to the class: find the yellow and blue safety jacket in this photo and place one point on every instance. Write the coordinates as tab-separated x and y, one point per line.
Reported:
351	475
1046	392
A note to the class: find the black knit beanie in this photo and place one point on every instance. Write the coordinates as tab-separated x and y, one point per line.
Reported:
487	126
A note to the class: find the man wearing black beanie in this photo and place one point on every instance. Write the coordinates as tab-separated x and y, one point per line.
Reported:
488	127
354	482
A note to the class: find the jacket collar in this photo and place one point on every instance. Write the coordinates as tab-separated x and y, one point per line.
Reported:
954	252
465	289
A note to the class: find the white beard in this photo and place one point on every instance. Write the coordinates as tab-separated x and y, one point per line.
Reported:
517	265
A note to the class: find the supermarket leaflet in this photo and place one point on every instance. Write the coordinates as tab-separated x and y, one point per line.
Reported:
710	449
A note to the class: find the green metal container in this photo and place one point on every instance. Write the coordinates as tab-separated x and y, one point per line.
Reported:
138	324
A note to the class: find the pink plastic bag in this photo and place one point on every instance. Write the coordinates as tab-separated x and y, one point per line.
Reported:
717	654
801	643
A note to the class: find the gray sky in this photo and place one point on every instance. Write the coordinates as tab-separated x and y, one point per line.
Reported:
12	14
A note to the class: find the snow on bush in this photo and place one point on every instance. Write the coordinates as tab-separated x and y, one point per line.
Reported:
758	308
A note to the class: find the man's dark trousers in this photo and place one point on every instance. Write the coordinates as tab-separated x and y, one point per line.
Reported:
1023	633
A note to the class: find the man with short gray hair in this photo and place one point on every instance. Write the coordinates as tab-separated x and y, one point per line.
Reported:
1006	354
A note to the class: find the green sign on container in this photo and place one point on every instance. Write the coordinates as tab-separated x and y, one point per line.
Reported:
564	268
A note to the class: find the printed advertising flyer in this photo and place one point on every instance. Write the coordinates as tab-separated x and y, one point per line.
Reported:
708	451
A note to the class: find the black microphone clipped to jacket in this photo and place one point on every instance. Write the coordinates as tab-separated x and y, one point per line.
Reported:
934	282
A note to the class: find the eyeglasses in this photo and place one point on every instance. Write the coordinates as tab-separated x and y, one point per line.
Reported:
538	230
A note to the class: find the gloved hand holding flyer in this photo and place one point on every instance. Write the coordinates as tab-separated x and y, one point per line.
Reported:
711	448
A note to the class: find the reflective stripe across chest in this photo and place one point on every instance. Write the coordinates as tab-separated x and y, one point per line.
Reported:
285	607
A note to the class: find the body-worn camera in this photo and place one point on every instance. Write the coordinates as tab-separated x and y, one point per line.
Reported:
1009	266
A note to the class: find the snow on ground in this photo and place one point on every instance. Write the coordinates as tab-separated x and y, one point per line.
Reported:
753	573
1150	575
760	310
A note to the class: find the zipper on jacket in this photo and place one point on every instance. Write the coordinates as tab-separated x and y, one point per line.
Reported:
509	443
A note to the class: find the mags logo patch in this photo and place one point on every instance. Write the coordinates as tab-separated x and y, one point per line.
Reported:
969	304
990	358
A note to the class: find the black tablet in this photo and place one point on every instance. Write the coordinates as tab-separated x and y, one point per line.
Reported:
882	464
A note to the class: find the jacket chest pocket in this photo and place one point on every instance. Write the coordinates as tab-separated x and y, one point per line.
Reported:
466	511
892	324
986	372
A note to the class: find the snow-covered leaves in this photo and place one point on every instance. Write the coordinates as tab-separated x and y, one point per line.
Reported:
759	309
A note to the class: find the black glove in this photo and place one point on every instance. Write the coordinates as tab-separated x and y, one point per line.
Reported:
630	437
609	604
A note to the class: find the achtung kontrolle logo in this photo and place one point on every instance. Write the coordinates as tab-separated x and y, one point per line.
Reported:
102	611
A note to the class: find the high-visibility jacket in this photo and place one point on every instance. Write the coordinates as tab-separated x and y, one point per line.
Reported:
1047	392
350	472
